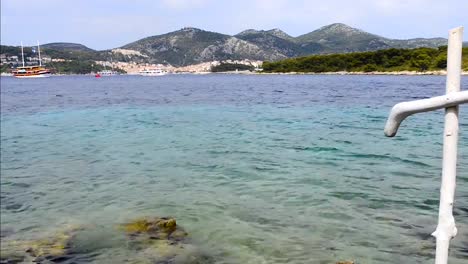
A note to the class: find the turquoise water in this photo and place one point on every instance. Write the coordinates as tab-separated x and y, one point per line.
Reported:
257	169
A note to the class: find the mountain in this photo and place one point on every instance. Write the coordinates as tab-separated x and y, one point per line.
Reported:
192	45
341	38
276	32
275	40
68	51
280	34
417	43
65	46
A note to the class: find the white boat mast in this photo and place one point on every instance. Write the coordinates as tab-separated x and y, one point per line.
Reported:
22	53
39	52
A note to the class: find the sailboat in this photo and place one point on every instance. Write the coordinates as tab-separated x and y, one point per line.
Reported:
31	71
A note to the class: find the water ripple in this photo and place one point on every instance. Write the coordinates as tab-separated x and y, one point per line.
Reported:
258	169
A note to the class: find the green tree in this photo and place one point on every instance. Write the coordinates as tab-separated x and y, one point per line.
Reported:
369	68
421	62
441	61
421	59
226	67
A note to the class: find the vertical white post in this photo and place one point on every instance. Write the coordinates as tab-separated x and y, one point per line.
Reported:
39	52
446	229
22	53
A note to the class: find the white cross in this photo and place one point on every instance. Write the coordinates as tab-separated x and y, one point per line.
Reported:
446	229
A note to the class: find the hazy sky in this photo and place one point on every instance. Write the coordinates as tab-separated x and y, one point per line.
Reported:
103	24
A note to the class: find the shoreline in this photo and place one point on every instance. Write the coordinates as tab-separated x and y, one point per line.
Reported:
406	73
401	73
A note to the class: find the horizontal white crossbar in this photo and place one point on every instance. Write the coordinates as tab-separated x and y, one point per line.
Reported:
402	110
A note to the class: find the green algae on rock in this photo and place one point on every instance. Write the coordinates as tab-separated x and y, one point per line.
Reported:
161	240
154	240
155	227
51	248
146	225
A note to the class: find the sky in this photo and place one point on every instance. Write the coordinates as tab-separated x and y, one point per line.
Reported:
105	24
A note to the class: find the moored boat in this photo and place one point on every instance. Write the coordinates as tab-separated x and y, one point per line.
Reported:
37	71
31	72
106	73
152	72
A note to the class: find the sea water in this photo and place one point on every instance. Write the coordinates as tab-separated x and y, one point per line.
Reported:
257	169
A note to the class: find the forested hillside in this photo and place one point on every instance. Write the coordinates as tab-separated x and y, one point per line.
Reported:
420	59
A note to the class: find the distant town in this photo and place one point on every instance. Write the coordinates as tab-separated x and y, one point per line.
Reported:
13	61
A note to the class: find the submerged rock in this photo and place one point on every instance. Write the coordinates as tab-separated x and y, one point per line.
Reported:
161	240
155	228
50	249
147	225
154	240
346	262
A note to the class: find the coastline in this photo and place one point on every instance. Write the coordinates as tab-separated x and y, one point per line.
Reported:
405	73
409	73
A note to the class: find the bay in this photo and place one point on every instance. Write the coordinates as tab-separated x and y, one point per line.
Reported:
256	168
